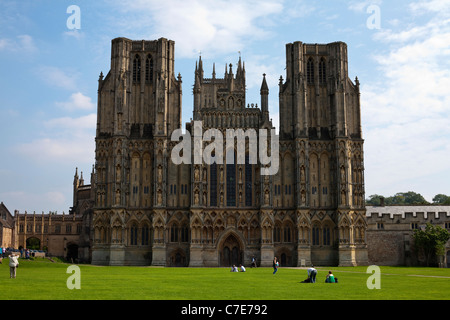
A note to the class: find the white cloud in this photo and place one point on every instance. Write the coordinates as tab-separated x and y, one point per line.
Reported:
65	139
68	123
36	202
436	6
53	150
75	33
22	43
77	101
361	6
406	110
216	26
56	77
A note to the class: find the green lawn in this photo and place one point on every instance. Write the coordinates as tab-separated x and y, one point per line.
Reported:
44	280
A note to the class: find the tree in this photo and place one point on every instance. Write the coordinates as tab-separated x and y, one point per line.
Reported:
431	241
374	200
409	198
401	198
441	199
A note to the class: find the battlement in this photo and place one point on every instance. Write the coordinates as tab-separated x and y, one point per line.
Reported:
408	212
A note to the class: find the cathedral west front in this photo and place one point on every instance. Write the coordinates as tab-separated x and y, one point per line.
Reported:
151	210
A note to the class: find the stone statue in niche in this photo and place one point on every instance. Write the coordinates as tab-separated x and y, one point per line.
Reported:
196	174
159	174
196	197
159	197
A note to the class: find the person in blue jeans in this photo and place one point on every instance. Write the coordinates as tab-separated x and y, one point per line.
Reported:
312	273
275	265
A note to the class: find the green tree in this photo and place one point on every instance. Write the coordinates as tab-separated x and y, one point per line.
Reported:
441	199
431	241
408	198
374	200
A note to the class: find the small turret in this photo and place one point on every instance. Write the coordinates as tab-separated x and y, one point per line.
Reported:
264	96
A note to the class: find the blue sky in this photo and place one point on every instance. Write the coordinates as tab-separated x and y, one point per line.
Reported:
49	73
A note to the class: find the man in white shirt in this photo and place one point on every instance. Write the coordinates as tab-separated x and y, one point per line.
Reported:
13	263
312	273
242	268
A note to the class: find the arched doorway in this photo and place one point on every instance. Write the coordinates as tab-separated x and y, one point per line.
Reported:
230	252
178	259
33	243
72	252
448	259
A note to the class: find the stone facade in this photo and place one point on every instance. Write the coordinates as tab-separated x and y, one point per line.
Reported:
6	227
62	235
149	210
143	209
390	229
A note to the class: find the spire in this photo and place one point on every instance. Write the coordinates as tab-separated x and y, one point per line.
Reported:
214	71
200	67
264	96
93	175
239	68
198	75
81	179
75	178
197	83
264	87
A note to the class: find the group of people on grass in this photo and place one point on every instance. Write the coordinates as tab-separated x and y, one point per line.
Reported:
312	272
235	269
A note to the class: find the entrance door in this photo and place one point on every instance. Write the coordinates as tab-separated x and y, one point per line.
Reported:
448	259
33	243
72	252
231	253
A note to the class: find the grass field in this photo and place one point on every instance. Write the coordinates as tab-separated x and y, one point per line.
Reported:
43	280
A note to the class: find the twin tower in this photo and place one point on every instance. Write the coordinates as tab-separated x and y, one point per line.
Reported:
151	211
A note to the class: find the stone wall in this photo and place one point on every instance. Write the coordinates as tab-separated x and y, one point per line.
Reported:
390	232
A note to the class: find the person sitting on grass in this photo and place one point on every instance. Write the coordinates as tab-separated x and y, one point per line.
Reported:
330	278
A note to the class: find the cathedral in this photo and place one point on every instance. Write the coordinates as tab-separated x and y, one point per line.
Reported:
152	210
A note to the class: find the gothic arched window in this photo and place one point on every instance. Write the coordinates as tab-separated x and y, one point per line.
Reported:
174	233
145	235
213	184
184	234
231	184
149	69
287	232
326	236
248	182
137	69
277	234
133	235
322	72
310	71
315	236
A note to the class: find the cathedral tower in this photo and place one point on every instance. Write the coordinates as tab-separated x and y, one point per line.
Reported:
139	104
320	113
